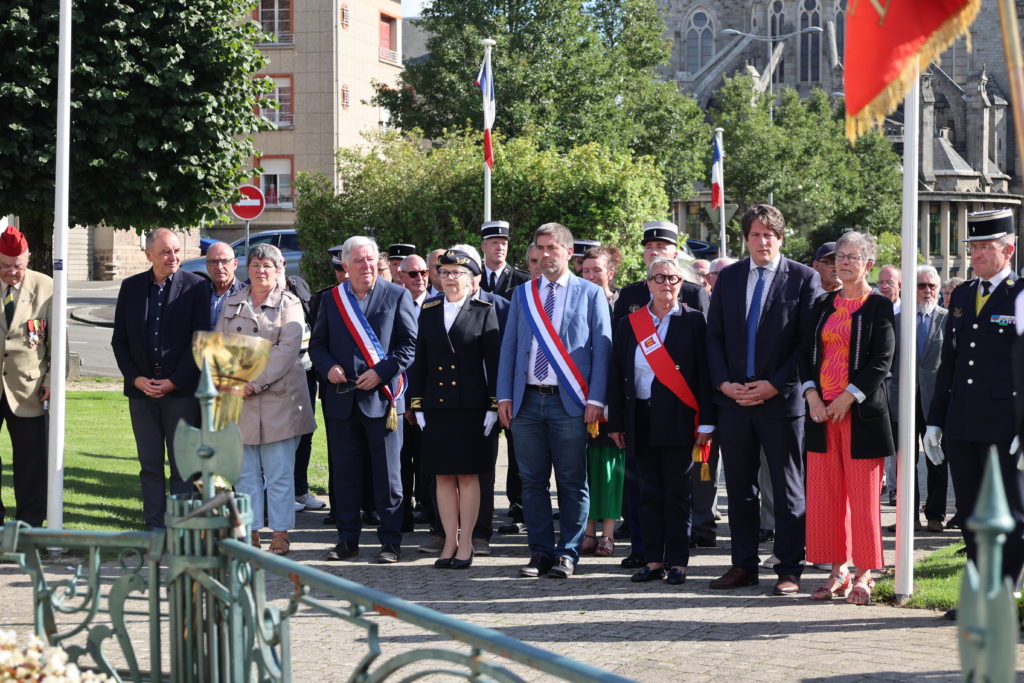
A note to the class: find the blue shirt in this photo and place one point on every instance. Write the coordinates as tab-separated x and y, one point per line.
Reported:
217	300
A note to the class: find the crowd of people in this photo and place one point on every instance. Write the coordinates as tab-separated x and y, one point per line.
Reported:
787	374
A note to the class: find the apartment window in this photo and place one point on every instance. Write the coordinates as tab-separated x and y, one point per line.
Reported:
276	182
345	16
346	97
284	115
776	22
276	19
700	41
810	43
388	39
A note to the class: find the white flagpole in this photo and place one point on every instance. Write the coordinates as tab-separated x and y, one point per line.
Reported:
907	443
722	251
59	327
488	43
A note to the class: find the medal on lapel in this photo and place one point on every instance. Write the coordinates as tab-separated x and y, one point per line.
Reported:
33	333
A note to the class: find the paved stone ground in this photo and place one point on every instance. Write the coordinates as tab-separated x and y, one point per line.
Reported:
648	632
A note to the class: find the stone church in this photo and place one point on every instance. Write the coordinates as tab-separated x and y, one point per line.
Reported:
968	156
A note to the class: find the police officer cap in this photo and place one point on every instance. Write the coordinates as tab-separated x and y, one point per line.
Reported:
660	230
401	251
335	253
989	225
494	229
825	250
579	247
458	258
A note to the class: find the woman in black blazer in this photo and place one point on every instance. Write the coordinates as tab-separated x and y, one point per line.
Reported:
452	388
847	350
654	425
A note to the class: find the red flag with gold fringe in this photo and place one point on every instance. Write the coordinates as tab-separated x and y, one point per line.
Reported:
885	41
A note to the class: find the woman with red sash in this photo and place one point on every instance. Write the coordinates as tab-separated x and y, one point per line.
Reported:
660	410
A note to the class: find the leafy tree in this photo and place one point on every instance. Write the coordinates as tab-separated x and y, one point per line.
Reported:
162	95
821	183
567	72
432	196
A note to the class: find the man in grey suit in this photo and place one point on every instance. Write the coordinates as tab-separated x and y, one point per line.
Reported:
931	325
552	383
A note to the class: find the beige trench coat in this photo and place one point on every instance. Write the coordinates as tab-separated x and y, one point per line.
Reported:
280	408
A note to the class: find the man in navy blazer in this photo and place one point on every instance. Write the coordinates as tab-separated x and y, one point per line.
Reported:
355	406
547	412
157	312
757	309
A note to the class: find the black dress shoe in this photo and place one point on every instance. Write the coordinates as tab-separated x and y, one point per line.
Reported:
514	528
329	519
538	566
675	577
421	518
950	615
389	554
788	584
408	527
735	578
765	535
564	569
371	518
463	564
443	563
515	512
647	574
633	561
343	551
702	542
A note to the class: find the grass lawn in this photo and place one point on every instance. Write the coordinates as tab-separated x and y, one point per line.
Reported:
101	470
936	580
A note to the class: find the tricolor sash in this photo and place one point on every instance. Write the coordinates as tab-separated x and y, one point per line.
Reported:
667	372
547	341
367	343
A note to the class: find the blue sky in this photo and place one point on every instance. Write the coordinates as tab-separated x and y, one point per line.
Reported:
411	8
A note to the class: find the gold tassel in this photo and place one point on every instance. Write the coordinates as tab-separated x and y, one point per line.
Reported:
696	454
705	472
391	424
593	429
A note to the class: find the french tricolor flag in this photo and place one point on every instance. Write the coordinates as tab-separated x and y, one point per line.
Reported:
485	81
717	182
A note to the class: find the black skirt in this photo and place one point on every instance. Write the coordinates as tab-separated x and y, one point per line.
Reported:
454	442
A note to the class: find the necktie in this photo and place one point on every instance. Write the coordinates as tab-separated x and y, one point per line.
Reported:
922	334
9	305
982	296
753	316
540	365
494	280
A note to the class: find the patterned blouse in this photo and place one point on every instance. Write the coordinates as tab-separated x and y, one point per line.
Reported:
835	341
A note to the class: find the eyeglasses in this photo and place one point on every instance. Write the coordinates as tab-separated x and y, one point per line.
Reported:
416	273
452	274
661	279
218	261
888	283
13	268
262	266
982	248
927	285
852	258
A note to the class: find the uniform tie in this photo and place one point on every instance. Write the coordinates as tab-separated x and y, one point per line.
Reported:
922	334
493	282
540	365
982	296
9	305
753	316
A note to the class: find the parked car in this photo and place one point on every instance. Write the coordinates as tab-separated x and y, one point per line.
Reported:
285	240
702	250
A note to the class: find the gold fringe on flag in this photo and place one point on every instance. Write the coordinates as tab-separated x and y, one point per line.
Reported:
873	114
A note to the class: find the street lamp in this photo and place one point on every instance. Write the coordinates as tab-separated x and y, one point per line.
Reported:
770	39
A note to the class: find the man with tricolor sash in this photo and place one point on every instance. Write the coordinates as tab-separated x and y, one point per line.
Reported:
552	383
363	341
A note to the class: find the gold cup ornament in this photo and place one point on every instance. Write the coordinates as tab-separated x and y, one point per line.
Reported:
235	360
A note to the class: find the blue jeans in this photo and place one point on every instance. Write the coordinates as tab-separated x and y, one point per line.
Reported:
546	436
270	467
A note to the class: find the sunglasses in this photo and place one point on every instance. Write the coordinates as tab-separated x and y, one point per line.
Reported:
416	273
927	285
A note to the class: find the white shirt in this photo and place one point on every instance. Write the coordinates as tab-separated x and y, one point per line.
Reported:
897	306
487	275
451	311
769	275
556	322
418	300
995	280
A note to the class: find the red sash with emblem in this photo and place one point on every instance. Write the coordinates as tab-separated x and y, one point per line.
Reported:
667	372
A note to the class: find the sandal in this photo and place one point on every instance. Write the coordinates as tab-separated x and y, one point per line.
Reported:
256	539
824	592
279	544
605	547
861	593
589	545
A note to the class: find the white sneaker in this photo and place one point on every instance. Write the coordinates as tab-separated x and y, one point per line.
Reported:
770	562
309	502
299	507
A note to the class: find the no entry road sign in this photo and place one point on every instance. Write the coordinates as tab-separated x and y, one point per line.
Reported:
251	205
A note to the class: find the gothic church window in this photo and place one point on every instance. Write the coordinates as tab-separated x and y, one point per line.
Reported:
810	43
700	41
841	30
775	25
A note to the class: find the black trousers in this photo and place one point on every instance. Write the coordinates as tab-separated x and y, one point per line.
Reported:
28	465
412	467
665	503
304	450
967	462
360	444
744	432
705	495
153	423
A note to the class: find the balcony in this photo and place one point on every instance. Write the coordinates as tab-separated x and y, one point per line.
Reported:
389	56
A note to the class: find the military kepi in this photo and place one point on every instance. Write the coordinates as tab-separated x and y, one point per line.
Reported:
494	229
663	231
12	242
458	258
401	250
335	253
989	225
579	247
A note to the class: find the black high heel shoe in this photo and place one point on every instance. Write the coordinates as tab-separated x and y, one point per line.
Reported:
463	564
443	562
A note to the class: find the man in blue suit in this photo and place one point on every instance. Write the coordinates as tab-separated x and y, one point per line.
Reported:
757	309
363	400
552	382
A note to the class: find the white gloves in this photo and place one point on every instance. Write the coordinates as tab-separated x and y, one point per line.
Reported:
933	444
1015	447
420	420
490	419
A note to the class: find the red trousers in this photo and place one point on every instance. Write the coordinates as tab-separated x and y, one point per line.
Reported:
843	510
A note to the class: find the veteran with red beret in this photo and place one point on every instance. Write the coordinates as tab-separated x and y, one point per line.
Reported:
24	374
